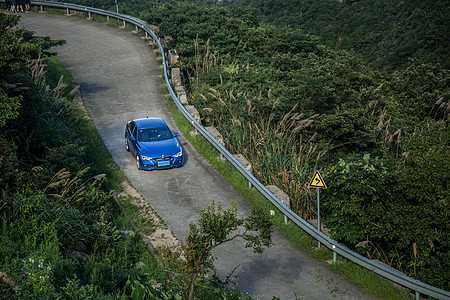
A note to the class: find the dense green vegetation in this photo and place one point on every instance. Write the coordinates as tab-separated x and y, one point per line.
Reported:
63	236
385	33
358	89
60	233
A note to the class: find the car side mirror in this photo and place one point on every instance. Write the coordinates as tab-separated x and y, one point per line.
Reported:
175	134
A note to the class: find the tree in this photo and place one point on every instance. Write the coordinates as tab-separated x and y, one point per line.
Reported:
216	227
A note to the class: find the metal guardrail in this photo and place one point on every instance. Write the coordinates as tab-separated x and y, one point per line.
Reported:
395	276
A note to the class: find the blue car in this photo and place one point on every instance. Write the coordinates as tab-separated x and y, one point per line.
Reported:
153	144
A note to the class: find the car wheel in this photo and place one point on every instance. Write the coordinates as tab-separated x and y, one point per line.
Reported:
138	163
126	145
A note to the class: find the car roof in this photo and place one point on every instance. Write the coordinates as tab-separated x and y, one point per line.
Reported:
150	122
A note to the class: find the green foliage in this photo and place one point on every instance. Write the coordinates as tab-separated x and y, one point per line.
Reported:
421	98
423	170
385	33
71	155
8	108
77	291
357	187
18	45
400	217
349	130
44	215
8	162
422	184
9	45
215	227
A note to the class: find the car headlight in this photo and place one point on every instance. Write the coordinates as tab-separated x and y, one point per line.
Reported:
145	157
178	154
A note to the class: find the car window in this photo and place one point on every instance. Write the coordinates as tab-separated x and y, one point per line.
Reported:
133	129
154	134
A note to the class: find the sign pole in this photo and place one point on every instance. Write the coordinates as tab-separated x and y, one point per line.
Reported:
318	214
318	183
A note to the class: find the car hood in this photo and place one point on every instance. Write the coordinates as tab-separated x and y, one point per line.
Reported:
159	148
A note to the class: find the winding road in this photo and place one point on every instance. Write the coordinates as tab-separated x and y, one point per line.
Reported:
120	80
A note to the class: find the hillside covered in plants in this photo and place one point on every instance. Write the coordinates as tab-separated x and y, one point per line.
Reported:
357	89
385	33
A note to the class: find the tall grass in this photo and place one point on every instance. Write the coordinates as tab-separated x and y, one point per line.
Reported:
71	103
279	152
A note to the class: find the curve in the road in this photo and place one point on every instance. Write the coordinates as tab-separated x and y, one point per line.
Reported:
120	79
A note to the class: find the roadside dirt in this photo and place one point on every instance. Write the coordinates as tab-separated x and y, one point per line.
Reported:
162	236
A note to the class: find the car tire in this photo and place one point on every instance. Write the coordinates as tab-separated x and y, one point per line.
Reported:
126	145
138	162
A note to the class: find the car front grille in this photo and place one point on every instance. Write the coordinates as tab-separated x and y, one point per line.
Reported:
162	158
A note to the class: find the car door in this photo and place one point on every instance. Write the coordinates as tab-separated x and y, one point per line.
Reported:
132	134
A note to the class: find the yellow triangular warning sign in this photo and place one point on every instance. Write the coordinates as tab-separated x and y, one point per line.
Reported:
317	181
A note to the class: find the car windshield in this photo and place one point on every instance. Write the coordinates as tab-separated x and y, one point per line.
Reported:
154	134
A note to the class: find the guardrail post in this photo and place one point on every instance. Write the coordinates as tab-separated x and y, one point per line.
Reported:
247	165
67	11
194	113
217	136
334	255
107	18
124	23
282	196
89	15
42	8
137	29
417	296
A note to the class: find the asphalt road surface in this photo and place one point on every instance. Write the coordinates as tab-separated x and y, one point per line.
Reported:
120	80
